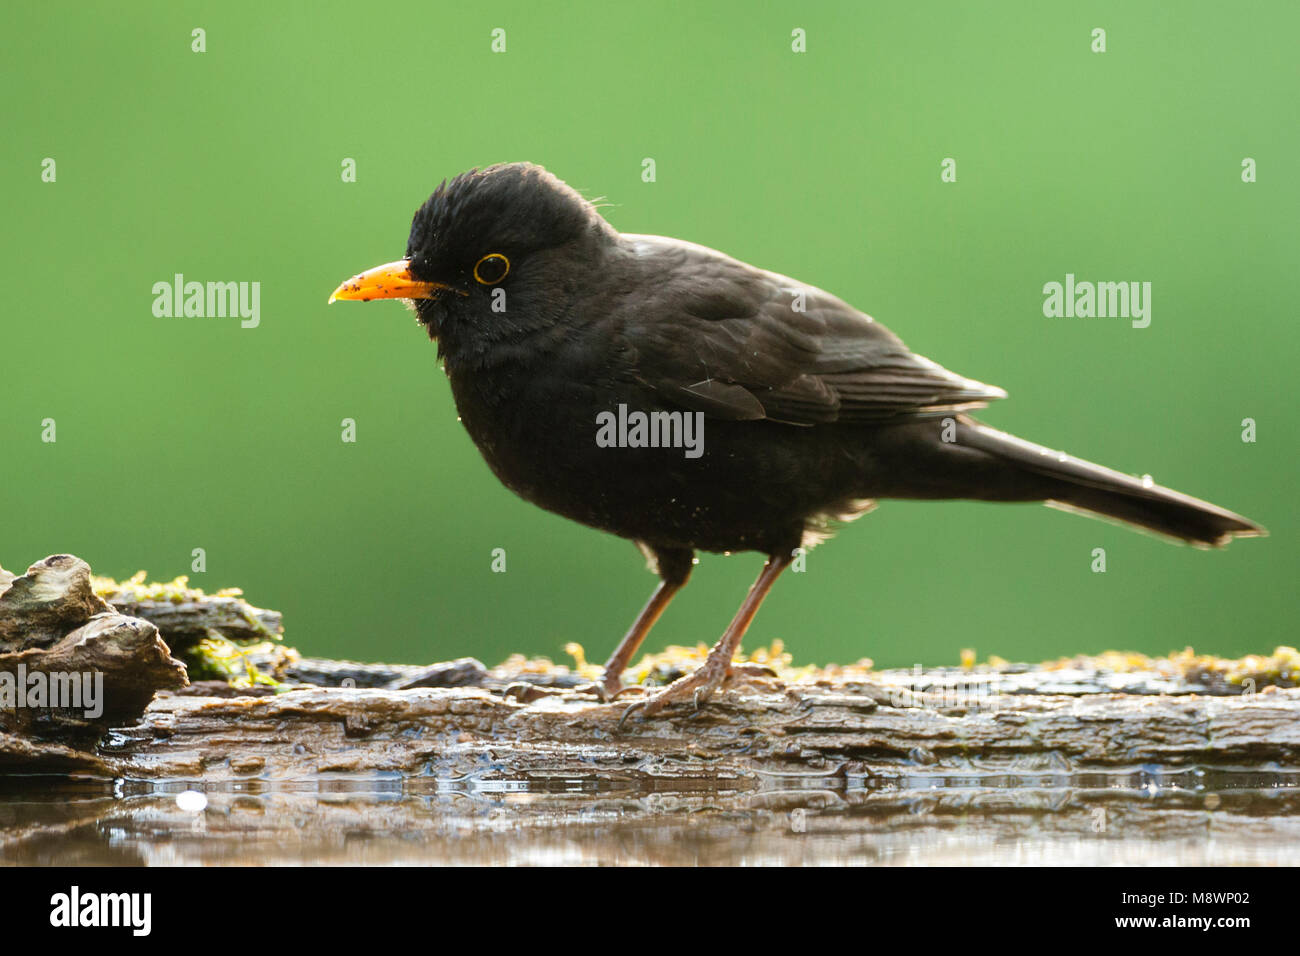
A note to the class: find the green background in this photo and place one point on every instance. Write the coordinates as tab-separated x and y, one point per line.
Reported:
183	433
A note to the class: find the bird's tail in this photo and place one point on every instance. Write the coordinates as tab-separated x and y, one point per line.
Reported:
1077	485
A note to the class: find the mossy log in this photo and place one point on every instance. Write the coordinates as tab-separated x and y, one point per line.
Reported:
752	728
530	721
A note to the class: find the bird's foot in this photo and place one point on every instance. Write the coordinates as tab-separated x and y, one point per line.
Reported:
694	689
610	687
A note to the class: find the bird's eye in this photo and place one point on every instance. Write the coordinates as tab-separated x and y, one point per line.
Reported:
491	269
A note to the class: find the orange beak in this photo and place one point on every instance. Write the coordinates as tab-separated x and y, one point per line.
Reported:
392	280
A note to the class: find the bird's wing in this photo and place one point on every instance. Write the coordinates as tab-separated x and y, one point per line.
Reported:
719	336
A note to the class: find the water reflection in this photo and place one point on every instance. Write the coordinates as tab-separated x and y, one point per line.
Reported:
1141	816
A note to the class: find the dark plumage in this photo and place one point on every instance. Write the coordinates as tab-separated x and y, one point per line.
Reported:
811	409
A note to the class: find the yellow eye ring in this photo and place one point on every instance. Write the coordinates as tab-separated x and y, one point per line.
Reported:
495	261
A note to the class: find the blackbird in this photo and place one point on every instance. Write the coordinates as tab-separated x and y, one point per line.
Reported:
774	409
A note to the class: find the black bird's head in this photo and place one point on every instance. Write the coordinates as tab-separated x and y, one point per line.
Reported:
485	246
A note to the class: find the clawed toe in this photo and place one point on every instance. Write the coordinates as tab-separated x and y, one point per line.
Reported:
598	691
622	721
694	689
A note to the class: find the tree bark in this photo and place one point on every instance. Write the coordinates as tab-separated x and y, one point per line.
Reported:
751	728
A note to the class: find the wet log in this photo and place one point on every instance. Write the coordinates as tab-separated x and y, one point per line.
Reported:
529	721
71	667
184	615
755	727
40	607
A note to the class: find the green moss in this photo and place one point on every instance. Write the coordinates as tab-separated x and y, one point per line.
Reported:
1254	671
137	588
216	658
241	663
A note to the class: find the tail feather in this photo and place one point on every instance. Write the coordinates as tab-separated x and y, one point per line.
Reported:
1082	486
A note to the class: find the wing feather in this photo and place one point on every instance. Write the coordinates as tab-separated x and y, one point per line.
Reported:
733	341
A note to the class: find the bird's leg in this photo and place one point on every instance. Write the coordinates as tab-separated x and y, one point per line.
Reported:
612	682
697	687
674	567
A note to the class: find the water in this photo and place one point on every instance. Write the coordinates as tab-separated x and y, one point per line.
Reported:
1188	817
